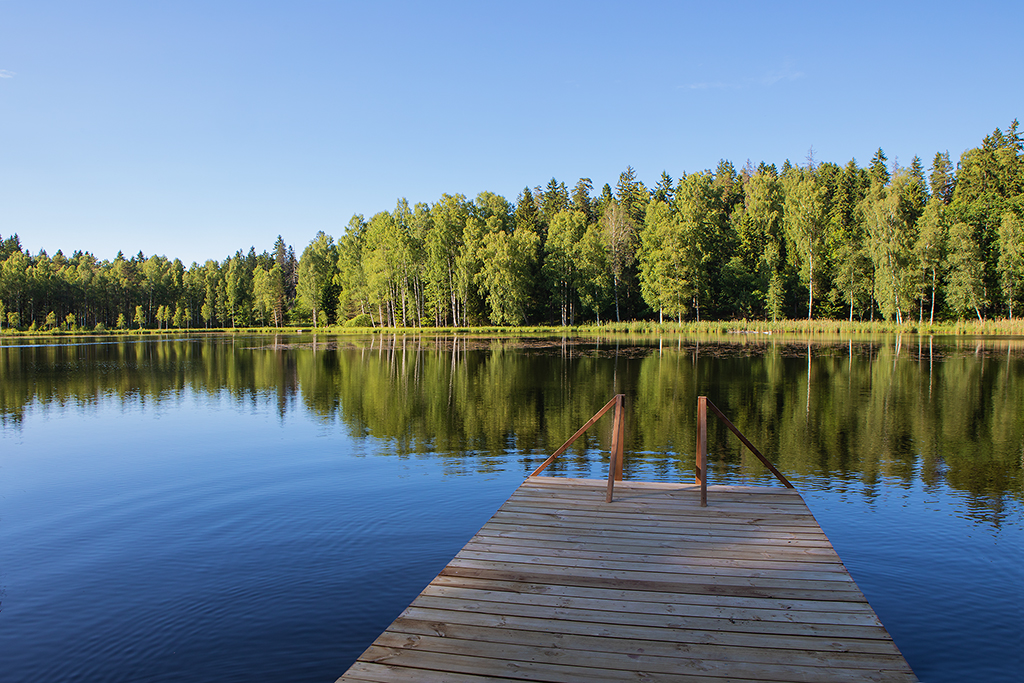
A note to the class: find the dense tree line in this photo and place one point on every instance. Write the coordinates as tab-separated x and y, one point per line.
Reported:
811	240
82	292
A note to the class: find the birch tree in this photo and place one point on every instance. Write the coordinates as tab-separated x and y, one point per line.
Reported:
1011	258
804	221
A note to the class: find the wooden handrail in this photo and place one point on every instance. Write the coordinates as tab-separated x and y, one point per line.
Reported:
618	439
702	449
703	403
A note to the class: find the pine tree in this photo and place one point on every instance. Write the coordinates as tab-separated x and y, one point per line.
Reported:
632	196
525	214
664	191
920	188
878	170
554	199
942	178
581	200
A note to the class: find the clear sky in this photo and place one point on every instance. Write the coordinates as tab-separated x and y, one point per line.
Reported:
194	129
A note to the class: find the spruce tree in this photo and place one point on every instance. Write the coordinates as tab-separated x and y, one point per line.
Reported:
664	191
942	179
581	200
878	170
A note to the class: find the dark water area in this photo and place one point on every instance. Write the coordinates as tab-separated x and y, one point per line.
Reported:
261	508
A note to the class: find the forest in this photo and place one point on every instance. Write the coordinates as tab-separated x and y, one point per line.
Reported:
810	240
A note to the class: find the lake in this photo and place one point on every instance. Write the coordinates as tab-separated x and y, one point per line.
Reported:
230	508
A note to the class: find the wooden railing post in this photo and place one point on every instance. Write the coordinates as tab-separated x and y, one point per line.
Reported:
615	461
702	448
620	422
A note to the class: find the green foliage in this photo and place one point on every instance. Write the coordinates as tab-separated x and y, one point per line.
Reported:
553	200
507	262
848	251
1011	259
892	213
878	170
268	294
942	178
317	268
361	320
966	286
619	234
593	283
565	233
761	244
931	247
581	200
989	182
669	262
805	222
632	196
444	298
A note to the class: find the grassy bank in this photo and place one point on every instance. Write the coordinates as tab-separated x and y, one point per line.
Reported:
1001	327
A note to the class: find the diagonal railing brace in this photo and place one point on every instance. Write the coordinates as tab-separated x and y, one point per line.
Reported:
618	440
702	447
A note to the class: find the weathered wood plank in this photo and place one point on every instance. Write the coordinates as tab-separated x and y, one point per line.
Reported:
729	504
732	507
667	607
651	596
723	576
648	632
726	623
708	585
663	534
652	563
637	553
679	663
794	523
570	523
661	648
598	539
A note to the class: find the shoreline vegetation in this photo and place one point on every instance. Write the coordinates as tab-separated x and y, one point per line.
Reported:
988	328
883	246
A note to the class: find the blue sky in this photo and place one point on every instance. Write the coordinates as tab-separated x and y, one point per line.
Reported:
194	129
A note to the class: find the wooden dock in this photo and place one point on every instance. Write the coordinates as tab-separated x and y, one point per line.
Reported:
561	586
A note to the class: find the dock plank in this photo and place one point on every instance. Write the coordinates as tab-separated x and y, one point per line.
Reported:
561	586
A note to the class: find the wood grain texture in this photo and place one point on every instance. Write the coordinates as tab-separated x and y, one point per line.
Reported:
561	586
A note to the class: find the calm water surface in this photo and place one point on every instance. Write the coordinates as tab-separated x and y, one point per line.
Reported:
261	508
